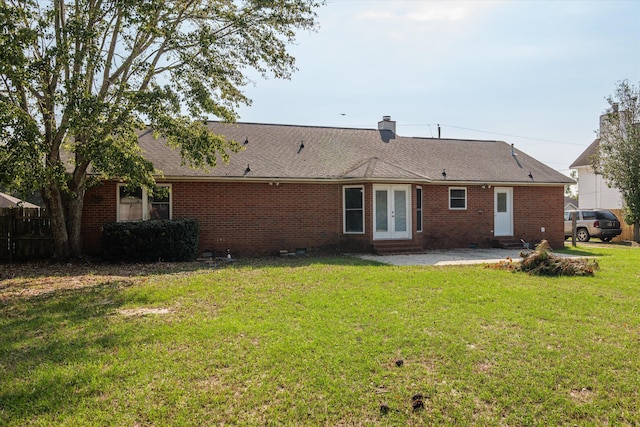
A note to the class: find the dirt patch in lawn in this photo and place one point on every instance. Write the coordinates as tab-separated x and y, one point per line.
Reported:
131	312
34	279
583	395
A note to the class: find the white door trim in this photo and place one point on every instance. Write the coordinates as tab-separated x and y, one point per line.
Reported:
392	226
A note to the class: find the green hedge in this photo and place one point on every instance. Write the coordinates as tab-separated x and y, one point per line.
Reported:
151	241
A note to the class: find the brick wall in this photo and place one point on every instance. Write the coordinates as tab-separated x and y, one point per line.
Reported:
536	208
99	208
449	228
246	218
260	218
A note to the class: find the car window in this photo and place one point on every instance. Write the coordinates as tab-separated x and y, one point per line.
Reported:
588	215
606	215
567	216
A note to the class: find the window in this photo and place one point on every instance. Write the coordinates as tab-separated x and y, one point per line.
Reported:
606	215
159	206
501	202
138	205
353	209
457	198
129	204
419	209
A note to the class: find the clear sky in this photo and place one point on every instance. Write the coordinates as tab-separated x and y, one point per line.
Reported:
532	73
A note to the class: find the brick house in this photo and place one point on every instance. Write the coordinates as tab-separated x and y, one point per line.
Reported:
348	190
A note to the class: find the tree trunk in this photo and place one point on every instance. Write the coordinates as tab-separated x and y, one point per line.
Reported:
55	205
65	214
74	223
77	185
636	231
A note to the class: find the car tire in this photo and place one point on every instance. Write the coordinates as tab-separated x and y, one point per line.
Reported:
583	235
606	239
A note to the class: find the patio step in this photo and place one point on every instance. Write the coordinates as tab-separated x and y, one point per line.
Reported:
509	243
393	247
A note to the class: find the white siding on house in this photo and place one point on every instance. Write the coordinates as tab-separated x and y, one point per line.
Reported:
594	193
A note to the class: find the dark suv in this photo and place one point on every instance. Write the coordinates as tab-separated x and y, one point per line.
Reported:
592	223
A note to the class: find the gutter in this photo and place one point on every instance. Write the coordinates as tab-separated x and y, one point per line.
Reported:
342	180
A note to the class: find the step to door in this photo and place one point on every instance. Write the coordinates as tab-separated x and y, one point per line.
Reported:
509	243
397	247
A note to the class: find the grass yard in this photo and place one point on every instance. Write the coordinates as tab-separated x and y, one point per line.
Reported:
320	341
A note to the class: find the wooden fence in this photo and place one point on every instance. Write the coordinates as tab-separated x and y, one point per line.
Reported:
627	230
25	234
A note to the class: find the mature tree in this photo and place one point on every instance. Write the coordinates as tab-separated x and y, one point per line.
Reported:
618	158
80	78
570	189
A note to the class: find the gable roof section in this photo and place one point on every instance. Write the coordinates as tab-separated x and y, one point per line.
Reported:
289	152
585	158
377	168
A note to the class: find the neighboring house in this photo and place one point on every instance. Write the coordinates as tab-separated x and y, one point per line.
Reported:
595	193
310	188
570	203
7	201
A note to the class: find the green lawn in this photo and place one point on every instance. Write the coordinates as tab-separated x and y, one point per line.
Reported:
316	341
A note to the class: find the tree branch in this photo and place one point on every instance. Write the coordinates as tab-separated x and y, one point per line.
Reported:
112	46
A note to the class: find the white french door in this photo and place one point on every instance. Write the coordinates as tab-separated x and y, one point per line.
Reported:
392	211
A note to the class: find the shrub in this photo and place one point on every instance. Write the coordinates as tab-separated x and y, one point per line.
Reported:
150	241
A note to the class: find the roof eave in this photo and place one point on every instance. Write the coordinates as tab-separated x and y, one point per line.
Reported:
334	180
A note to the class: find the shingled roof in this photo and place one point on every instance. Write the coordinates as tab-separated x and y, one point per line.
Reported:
585	158
287	152
8	201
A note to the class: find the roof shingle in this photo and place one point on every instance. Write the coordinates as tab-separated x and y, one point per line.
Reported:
585	158
325	153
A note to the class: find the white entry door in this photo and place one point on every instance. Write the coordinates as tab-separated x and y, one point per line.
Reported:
391	211
503	211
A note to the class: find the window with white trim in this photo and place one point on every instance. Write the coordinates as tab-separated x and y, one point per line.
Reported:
457	198
139	205
418	209
353	202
